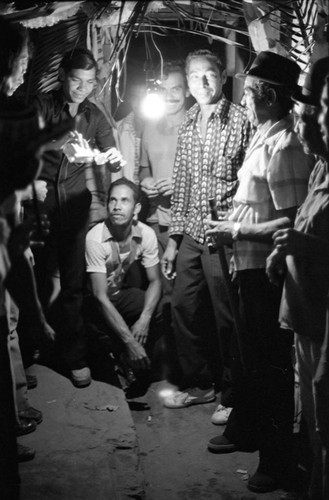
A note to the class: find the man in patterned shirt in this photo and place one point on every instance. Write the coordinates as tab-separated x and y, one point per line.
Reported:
272	184
210	151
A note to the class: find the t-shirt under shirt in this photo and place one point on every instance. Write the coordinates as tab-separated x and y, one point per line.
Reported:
103	254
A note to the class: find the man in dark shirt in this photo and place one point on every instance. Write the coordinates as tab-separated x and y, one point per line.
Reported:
68	200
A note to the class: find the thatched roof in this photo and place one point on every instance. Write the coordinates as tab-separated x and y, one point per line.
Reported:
112	30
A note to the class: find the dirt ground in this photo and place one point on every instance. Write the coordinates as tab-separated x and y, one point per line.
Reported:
174	457
93	445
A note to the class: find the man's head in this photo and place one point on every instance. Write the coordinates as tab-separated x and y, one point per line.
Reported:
264	101
324	113
123	202
77	73
269	84
205	76
14	56
174	87
307	108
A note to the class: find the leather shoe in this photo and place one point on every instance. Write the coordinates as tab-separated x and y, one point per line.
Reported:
262	483
220	444
31	414
32	381
25	453
25	427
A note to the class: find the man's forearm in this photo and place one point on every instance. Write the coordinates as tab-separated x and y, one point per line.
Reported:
144	172
152	297
114	319
263	231
174	241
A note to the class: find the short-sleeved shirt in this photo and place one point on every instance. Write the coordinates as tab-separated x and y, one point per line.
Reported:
304	298
103	254
207	168
274	176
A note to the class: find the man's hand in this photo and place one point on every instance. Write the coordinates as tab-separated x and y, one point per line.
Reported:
148	187
168	261
289	241
77	148
57	144
40	190
276	267
111	156
219	232
164	186
140	329
137	356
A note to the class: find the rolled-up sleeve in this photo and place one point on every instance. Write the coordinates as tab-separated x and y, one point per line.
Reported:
150	251
288	173
95	257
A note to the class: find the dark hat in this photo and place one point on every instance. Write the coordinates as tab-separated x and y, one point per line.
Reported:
273	68
310	93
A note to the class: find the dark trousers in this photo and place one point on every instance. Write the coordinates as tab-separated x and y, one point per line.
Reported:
129	302
9	477
202	318
263	413
64	256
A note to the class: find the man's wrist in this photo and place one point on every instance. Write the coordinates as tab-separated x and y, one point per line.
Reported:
146	316
236	235
174	241
128	340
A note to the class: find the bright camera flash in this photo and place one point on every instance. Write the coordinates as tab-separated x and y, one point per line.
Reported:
153	106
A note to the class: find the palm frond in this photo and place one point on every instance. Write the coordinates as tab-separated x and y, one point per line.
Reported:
294	21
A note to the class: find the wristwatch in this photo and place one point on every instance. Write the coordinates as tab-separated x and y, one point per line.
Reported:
236	231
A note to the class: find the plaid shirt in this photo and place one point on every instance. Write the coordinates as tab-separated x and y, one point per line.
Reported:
207	169
274	177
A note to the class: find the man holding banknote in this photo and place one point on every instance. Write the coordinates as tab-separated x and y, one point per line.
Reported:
60	263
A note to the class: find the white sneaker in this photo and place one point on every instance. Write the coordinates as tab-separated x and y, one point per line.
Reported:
81	378
190	397
221	414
